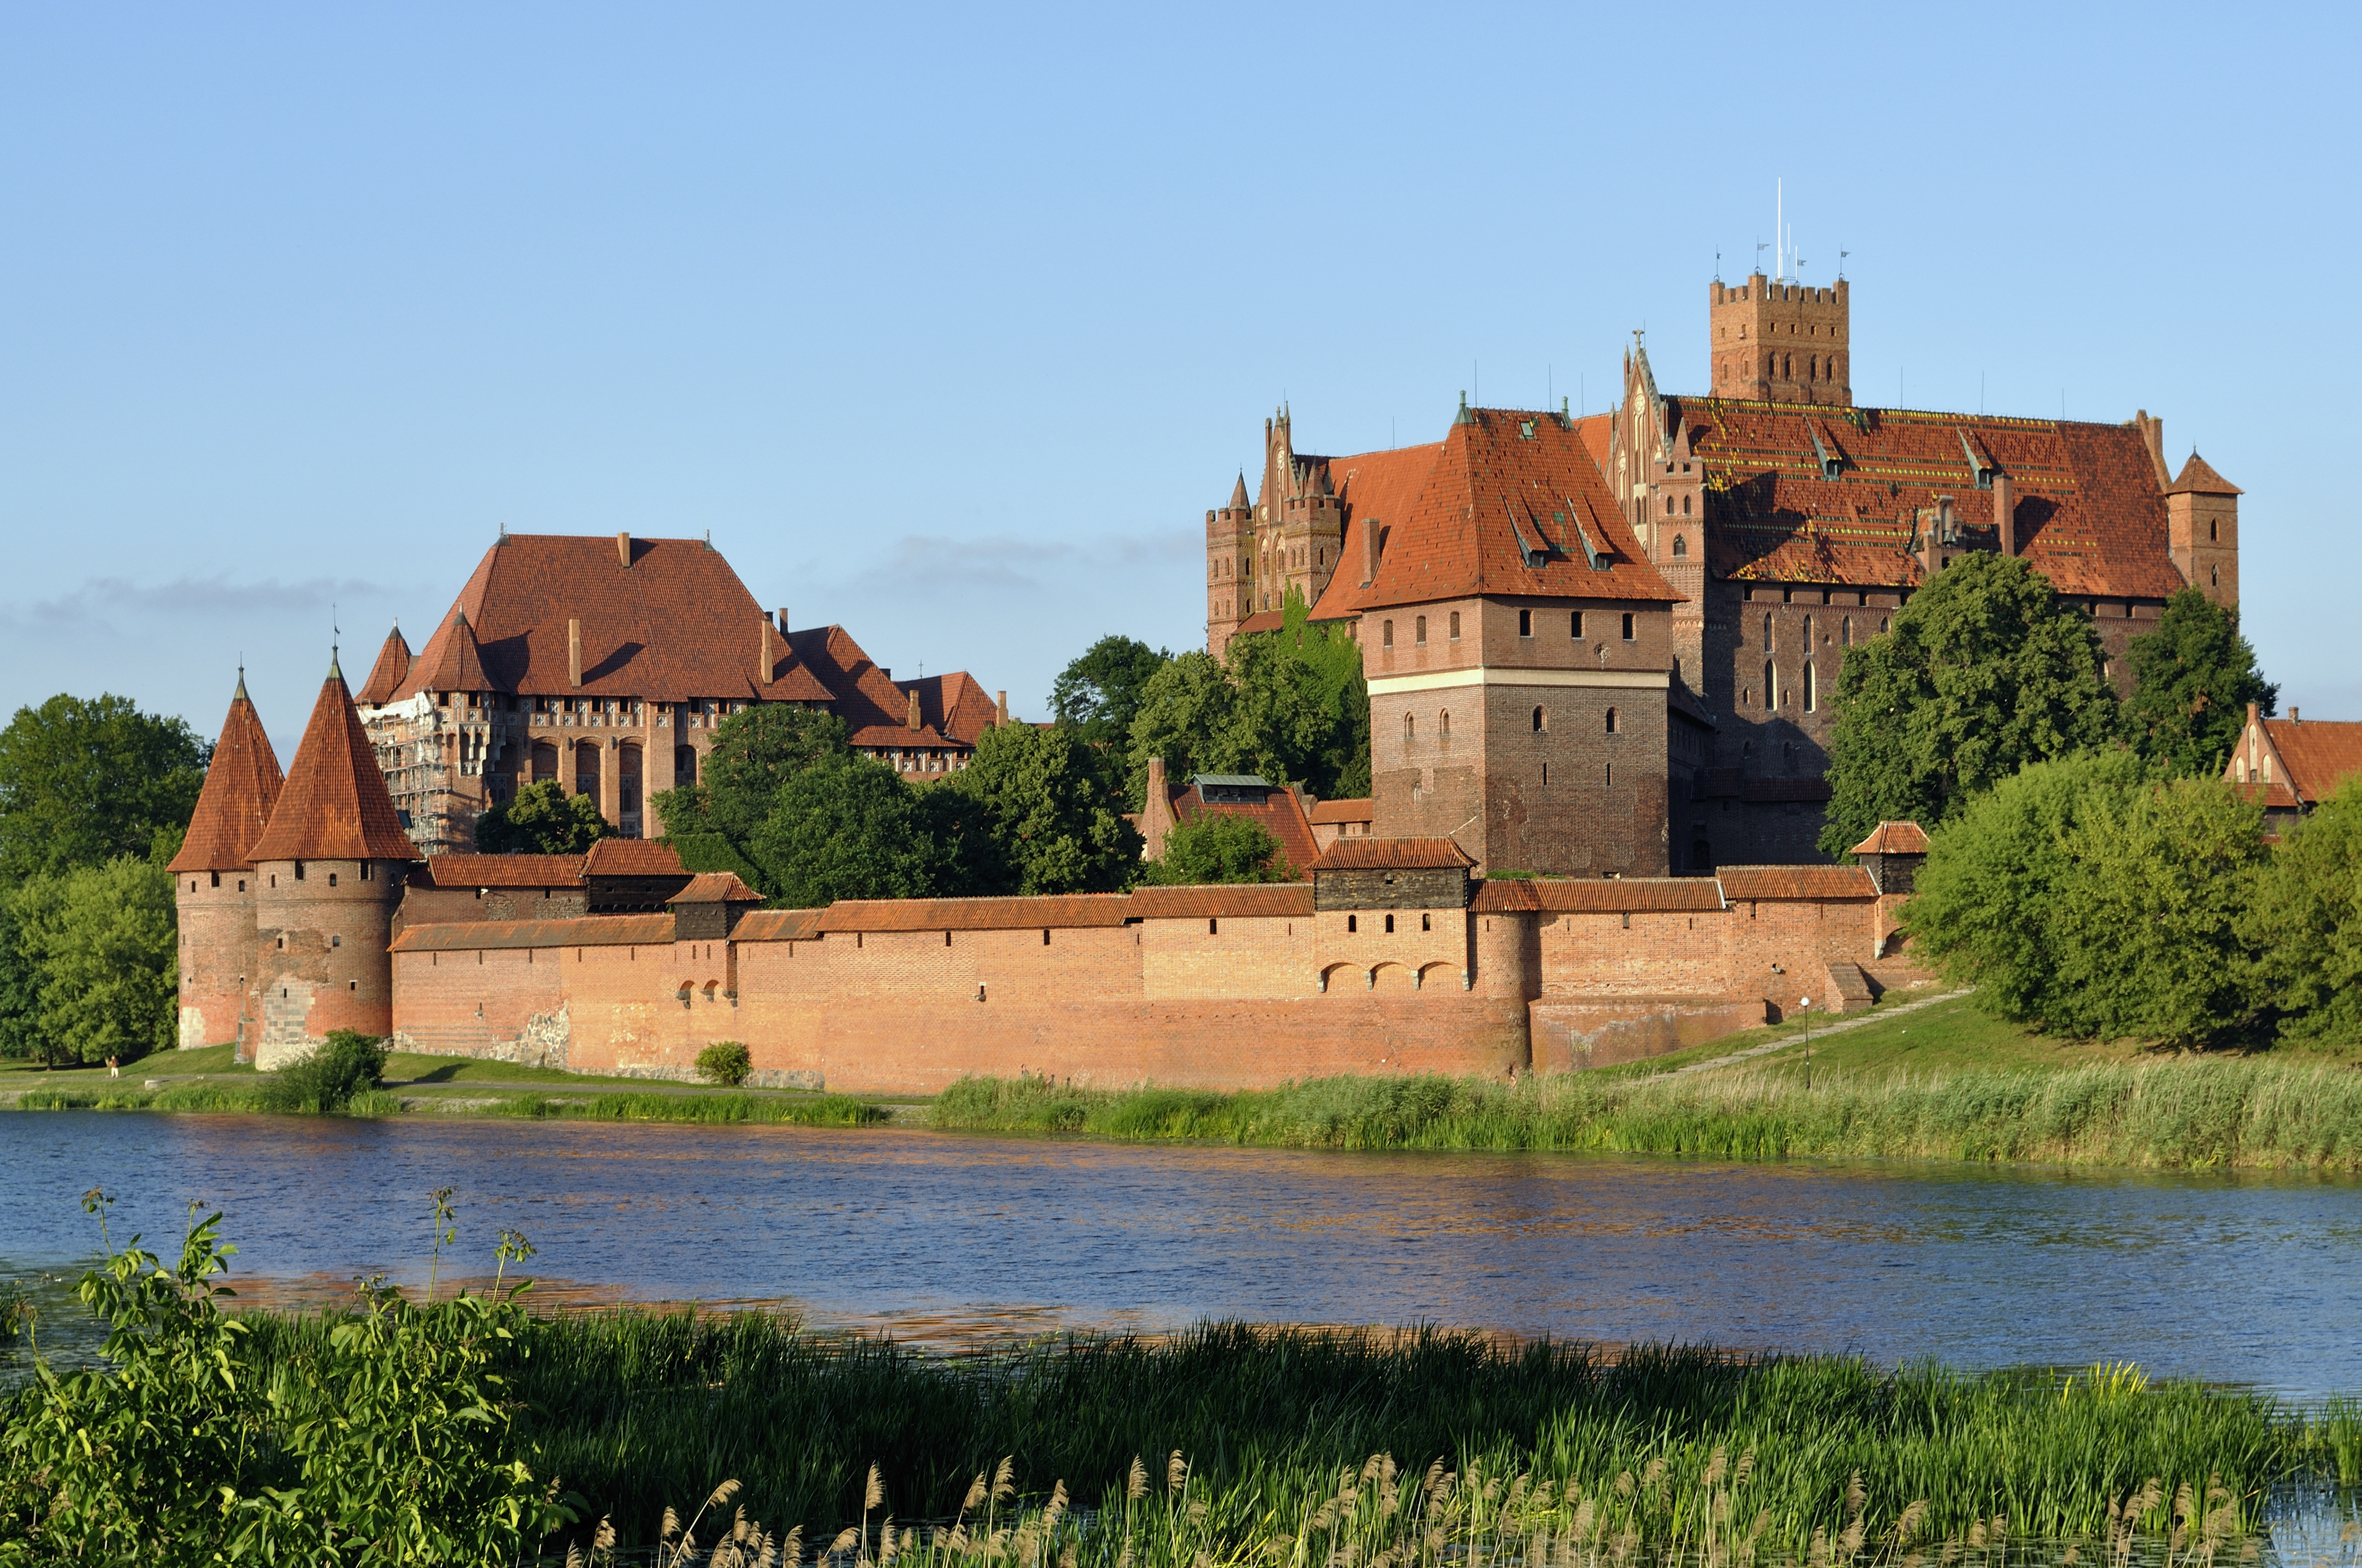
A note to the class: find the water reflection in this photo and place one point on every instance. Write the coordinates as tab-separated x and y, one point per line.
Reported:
949	1240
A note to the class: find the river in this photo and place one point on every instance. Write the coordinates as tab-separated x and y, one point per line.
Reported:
947	1240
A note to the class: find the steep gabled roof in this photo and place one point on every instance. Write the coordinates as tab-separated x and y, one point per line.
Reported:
392	669
454	661
2089	511
1894	838
2319	756
2199	477
334	805
952	705
716	887
241	786
1511	504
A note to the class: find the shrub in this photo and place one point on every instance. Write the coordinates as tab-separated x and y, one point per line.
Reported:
324	1083
725	1062
1219	847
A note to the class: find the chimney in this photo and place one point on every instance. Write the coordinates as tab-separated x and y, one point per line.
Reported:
1369	551
783	623
767	665
1000	709
623	548
2006	512
915	707
2152	432
2253	711
1947	530
574	651
2293	719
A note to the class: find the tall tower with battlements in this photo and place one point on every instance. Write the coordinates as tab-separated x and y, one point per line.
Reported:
1781	342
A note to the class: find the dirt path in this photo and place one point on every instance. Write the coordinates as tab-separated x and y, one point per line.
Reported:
1769	1046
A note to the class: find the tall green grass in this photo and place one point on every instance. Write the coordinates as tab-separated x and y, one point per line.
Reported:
638	1410
2173	1114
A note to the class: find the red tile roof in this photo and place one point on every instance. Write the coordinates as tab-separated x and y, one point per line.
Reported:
454	661
1263	621
588	931
1611	894
1231	901
1894	838
1281	815
2089	512
2275	796
499	871
241	786
633	857
1358	811
1503	487
1392	855
2319	756
1064	909
387	675
777	925
2199	477
1794	882
716	887
334	805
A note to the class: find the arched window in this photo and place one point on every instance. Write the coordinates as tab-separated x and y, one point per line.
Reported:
1386	634
2213	528
1680	546
1767	629
1611	721
1443	726
1808	632
1881	623
1771	686
2213	576
1410	729
1455	626
1541	720
1812	367
1418	632
1845	632
1809	693
1669	506
1685	506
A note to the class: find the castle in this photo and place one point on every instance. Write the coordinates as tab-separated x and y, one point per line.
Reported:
1606	645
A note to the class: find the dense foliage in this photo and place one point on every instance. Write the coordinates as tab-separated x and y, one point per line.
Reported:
1099	694
2094	897
542	818
1047	820
96	967
1290	705
2306	921
1219	847
1983	672
391	1439
2193	679
325	1079
725	1062
88	780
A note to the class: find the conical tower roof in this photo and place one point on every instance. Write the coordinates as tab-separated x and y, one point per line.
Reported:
334	805
241	787
453	662
1238	493
2199	477
393	667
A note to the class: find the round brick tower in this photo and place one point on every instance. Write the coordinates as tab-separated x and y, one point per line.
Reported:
328	871
213	880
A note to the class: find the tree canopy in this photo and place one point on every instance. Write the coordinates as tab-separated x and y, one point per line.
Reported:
1221	847
1983	672
1099	694
542	818
100	945
848	828
2094	897
1048	822
2193	679
2306	920
85	780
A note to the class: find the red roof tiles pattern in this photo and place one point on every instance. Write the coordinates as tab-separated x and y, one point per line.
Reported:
2199	477
716	887
1392	855
1229	900
241	786
334	805
588	931
1743	882
1611	894
1504	488
777	925
387	675
1355	810
499	871
633	857
2319	756
1281	815
1894	838
2090	513
1067	909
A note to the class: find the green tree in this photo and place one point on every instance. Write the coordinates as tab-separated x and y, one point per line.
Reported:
755	752
83	780
1221	847
20	987
542	819
1046	814
1984	672
2306	920
849	829
105	958
1099	694
2193	679
2092	898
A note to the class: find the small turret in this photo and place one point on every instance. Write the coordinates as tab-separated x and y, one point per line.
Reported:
2201	527
329	870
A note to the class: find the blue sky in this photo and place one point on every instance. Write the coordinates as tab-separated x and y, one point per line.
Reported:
949	325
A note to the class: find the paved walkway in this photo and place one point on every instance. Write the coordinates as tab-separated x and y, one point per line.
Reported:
1785	1040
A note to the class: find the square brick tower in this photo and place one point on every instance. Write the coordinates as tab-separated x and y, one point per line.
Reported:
1288	541
1781	342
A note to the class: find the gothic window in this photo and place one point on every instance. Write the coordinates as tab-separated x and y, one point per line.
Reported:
1771	686
1410	729
1808	632
1541	720
1611	776
1669	506
1443	726
1680	546
1611	721
1845	632
1455	626
1809	693
1685	506
1812	367
1418	632
2214	529
1767	629
1386	634
2213	576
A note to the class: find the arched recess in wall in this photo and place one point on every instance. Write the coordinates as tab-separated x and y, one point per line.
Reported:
1336	975
627	777
1391	976
586	769
545	761
684	765
1680	546
1434	973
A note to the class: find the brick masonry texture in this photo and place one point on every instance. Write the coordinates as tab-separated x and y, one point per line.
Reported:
859	999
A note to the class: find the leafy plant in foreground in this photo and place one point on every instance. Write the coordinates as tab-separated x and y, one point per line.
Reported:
325	1081
725	1062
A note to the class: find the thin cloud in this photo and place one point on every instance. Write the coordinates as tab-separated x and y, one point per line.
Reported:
102	600
1007	561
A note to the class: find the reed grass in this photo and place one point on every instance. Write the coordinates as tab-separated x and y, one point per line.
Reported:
2176	1113
1273	1427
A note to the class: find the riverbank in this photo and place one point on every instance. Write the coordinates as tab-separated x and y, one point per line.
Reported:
1257	1441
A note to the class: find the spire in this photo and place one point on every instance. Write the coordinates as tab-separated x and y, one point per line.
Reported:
241	787
1466	415
454	660
2199	477
334	805
1238	501
392	669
